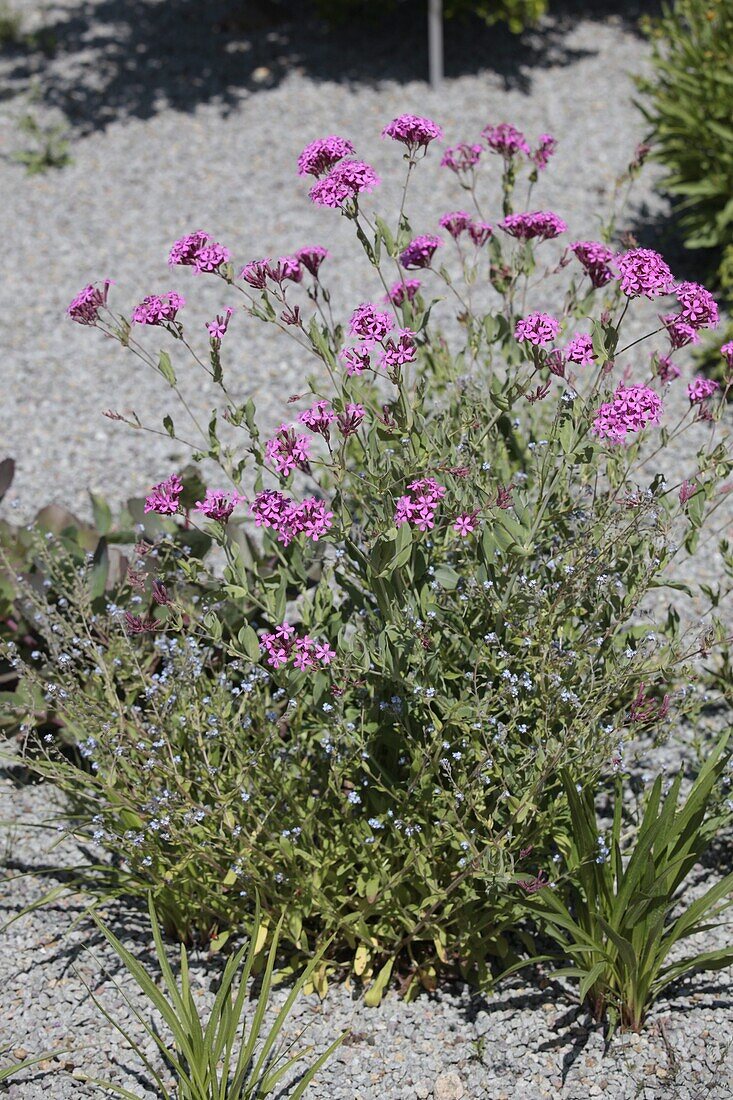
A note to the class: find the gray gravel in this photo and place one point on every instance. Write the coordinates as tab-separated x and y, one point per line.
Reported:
207	135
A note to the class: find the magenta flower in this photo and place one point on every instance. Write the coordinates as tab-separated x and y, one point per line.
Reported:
419	503
455	223
320	156
346	180
420	251
163	498
210	258
287	519
505	140
480	232
697	305
281	647
546	146
667	370
408	289
413	131
465	524
288	451
397	353
256	273
183	252
323	653
135	625
286	268
355	360
595	259
312	257
318	418
700	389
218	504
680	332
631	409
350	419
643	271
541	224
687	490
217	328
85	307
461	158
156	309
580	350
537	329
369	323
727	352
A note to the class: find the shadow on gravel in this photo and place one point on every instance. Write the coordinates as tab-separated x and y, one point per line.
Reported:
100	60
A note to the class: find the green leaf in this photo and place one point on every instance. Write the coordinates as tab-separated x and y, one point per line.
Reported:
102	513
249	642
166	368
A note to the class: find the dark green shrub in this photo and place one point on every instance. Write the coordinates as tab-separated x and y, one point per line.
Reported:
517	14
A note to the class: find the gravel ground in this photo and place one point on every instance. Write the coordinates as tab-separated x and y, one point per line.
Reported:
173	130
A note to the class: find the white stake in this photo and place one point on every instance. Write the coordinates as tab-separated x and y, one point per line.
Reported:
435	42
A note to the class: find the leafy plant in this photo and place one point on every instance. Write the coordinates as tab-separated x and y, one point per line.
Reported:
615	911
49	146
11	25
221	1058
689	104
517	14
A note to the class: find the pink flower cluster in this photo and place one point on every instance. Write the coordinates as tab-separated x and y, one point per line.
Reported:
85	307
595	259
413	131
369	323
727	352
218	504
537	329
287	519
288	451
458	222
643	271
580	350
546	147
218	327
461	158
680	333
408	289
318	418
505	140
419	503
320	156
156	309
465	524
398	352
542	224
311	257
282	646
199	251
420	251
632	408
346	180
163	498
697	305
350	419
700	389
667	370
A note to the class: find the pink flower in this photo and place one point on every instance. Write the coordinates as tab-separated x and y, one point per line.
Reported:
419	503
321	155
210	258
697	305
680	332
287	519
667	370
505	140
318	418
413	131
632	408
218	504
286	268
398	353
183	252
163	498
420	251
288	451
355	360
555	362
461	158
217	328
455	223
643	271
255	273
542	224
369	323
595	259
546	146
580	350
727	352
156	309
700	389
346	180
480	232
407	289
350	419
312	257
324	653
687	490
85	307
465	524
537	328
281	647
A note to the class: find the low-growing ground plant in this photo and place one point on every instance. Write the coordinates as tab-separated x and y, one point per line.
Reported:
442	608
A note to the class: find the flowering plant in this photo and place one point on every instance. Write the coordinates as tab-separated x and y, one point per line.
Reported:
445	604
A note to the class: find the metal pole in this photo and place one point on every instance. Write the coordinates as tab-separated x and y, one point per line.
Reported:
435	43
